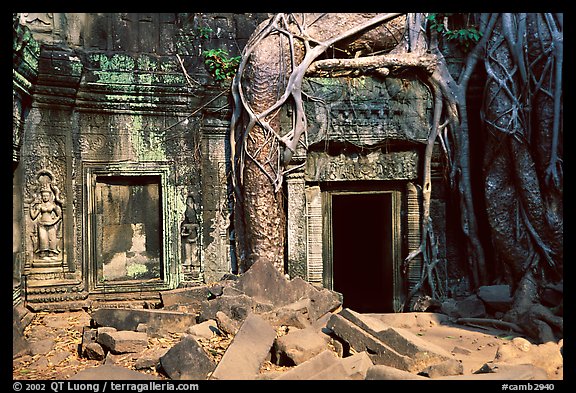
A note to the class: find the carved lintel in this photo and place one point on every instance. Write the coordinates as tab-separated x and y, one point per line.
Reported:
373	166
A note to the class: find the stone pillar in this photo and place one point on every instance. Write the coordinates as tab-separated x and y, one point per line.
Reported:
296	236
216	253
314	235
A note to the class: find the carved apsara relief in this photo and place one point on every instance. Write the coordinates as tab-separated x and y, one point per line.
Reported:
189	232
46	213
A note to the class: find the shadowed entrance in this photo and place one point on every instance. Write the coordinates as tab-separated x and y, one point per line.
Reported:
362	250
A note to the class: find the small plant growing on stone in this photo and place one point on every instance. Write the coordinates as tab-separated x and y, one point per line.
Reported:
219	63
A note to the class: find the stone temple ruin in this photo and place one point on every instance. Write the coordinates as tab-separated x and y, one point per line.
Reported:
121	184
121	172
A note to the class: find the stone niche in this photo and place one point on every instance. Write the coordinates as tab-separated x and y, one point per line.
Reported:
353	200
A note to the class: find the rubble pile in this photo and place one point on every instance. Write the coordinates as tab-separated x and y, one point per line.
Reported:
239	327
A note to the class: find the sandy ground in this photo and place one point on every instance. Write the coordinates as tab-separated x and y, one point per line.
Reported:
56	337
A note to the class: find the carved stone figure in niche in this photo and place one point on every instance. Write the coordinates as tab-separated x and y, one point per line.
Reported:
189	232
46	212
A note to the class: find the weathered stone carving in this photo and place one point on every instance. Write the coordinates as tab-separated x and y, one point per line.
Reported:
189	233
366	111
40	22
371	166
46	212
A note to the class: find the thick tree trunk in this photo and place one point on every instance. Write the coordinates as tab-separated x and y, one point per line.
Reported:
521	116
262	210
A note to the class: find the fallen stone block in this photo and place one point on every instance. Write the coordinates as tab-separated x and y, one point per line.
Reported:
383	372
546	356
204	329
328	366
312	367
93	351
237	307
297	347
89	336
357	365
420	353
187	360
360	340
123	341
265	284
227	324
470	307
495	297
295	314
158	322
150	359
461	350
192	296
41	347
443	369
248	350
111	373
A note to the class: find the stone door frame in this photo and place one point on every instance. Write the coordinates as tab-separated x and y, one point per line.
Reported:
350	188
169	237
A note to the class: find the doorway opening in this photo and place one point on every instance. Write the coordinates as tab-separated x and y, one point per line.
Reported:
364	229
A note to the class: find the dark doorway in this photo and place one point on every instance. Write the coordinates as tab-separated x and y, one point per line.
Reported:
362	259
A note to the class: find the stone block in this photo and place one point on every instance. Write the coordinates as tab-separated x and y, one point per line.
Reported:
265	284
150	358
193	296
312	367
158	322
123	341
402	340
443	369
357	365
295	314
187	360
496	297
390	346
407	320
328	366
204	329
470	307
383	372
360	340
93	351
297	347
227	324
89	336
248	350
236	307
20	345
